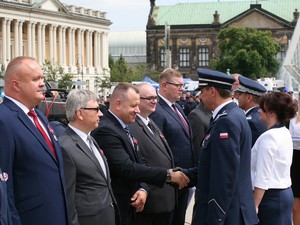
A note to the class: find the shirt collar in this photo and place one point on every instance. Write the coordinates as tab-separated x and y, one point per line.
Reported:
216	111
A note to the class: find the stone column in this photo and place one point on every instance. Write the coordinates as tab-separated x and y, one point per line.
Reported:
60	45
96	49
79	53
8	41
29	44
73	48
33	53
43	42
105	50
16	38
40	44
64	53
87	48
51	43
101	53
70	47
4	22
54	45
82	48
20	37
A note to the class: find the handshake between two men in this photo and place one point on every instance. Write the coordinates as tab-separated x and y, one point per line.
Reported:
177	178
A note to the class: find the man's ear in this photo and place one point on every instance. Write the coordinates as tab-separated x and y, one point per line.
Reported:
15	85
118	104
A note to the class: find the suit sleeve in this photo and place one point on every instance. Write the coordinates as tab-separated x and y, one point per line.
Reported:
70	178
7	151
120	162
225	162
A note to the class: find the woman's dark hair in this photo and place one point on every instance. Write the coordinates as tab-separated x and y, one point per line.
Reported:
280	103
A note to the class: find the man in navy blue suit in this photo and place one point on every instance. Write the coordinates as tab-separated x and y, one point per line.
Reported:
29	150
247	94
171	120
224	189
5	218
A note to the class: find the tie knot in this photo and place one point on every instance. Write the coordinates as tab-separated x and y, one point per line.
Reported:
32	113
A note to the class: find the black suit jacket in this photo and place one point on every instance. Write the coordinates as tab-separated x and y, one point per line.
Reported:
127	171
199	119
89	192
172	128
156	152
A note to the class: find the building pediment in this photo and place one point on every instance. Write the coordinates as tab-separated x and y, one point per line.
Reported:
258	19
51	5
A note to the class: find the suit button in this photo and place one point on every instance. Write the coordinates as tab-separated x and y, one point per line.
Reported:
111	204
219	220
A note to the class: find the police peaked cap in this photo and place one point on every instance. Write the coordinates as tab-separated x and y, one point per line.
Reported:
249	86
214	78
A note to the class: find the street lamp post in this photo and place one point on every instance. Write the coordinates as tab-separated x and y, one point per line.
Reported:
80	70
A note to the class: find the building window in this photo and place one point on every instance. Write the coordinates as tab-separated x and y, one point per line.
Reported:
203	56
281	54
162	58
184	57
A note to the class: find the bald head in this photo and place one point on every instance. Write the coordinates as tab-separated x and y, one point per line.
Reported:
24	81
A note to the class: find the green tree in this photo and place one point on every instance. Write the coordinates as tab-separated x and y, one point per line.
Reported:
247	51
120	71
55	73
66	81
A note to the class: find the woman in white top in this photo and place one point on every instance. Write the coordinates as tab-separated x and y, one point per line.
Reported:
294	127
271	160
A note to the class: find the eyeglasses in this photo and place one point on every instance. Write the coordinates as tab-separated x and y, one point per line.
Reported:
97	109
176	85
151	98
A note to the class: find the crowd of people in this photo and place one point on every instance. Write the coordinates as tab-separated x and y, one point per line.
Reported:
137	159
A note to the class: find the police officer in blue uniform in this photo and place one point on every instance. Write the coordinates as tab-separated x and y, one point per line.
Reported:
5	218
224	190
248	93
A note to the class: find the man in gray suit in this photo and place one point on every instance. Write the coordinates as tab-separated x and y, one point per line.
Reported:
89	192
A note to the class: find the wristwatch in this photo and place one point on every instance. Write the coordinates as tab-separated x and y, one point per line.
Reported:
169	178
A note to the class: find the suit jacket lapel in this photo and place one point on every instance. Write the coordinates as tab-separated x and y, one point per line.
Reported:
83	147
124	136
30	126
156	140
166	107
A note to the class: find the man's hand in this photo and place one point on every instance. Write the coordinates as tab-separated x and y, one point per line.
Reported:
179	178
138	200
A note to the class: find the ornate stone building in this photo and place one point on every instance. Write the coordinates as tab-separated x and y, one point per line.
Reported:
192	39
72	37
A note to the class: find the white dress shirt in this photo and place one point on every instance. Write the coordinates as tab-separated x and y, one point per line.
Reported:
271	159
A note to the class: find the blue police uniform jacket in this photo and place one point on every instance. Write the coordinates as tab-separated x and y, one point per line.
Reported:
224	191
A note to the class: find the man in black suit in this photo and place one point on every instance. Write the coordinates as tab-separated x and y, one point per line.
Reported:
171	120
123	154
156	152
90	196
199	119
247	93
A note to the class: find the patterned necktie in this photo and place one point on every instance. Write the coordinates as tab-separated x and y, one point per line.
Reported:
186	127
96	152
41	130
129	135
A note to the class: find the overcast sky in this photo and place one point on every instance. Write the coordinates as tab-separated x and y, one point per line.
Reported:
127	15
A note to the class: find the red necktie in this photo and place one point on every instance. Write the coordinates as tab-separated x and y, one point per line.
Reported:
186	127
41	130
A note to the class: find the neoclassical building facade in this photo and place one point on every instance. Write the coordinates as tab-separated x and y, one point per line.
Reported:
73	37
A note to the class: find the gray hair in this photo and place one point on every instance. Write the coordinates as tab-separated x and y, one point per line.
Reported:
78	99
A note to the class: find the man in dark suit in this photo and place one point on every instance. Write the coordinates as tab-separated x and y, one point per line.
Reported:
199	119
89	192
156	152
171	120
122	152
247	93
224	190
5	218
29	152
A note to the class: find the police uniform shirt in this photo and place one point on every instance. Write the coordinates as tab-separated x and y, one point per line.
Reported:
271	158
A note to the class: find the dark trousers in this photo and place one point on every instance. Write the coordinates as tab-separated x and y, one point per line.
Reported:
276	207
151	218
178	215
